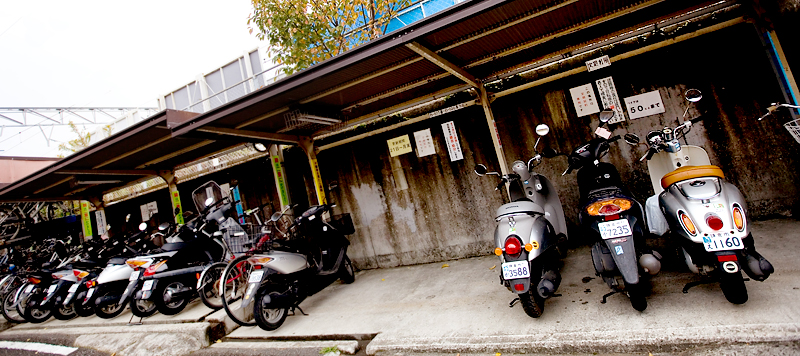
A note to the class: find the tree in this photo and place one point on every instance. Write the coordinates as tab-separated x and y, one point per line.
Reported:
302	33
84	140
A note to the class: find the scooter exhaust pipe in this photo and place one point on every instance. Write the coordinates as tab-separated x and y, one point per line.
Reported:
756	266
277	301
107	300
651	263
182	293
549	284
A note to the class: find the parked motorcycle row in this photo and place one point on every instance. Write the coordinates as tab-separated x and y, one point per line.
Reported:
693	204
258	273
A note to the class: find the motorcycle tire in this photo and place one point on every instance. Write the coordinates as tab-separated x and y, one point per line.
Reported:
142	308
232	288
532	303
346	272
34	313
637	296
210	286
732	285
10	312
107	311
82	310
269	319
62	312
160	293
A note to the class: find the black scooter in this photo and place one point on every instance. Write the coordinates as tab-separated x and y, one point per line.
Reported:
614	218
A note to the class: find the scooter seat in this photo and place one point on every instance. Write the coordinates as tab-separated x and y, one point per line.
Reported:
689	172
117	260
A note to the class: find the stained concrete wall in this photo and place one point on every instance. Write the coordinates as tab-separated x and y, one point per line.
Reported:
446	211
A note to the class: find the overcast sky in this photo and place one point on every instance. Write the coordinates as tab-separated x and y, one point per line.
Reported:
112	53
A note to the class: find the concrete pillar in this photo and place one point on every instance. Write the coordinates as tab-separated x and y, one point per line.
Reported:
175	197
276	157
308	146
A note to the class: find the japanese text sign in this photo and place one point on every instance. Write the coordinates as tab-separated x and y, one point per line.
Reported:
424	141
399	145
584	100
644	104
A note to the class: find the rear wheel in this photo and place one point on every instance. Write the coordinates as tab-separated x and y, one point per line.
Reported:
346	271
733	287
164	290
269	319
10	312
83	310
637	296
532	303
210	286
141	307
107	310
233	285
62	312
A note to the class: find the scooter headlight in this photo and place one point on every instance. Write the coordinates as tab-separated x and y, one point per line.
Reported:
608	207
738	218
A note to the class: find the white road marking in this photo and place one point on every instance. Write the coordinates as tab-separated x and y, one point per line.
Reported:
38	347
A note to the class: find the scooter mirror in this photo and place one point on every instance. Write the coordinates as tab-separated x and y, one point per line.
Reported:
693	95
542	129
631	139
209	201
276	216
143	226
163	226
606	115
480	170
549	153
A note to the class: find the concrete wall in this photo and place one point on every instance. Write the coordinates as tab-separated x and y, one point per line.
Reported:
446	211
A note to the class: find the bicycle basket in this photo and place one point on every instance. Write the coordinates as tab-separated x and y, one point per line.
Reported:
247	238
343	223
794	129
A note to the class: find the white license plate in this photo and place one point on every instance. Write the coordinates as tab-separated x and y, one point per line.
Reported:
73	288
134	275
255	277
614	228
721	243
51	289
516	270
89	293
29	288
148	285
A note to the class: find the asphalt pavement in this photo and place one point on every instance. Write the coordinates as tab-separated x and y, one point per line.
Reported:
459	307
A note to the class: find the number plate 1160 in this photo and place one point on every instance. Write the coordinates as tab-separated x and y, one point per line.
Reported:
516	270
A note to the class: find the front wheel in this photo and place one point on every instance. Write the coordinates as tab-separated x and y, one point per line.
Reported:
637	296
164	290
10	312
346	271
733	287
269	319
210	286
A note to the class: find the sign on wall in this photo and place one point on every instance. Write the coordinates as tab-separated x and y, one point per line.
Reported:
86	222
598	63
644	104
584	100
453	145
610	99
148	210
399	145
100	218
424	141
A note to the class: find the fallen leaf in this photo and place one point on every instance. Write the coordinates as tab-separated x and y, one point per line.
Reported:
497	354
218	341
649	354
383	279
445	265
493	267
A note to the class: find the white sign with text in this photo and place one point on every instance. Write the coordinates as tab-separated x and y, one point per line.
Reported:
610	99
644	104
424	141
584	100
453	145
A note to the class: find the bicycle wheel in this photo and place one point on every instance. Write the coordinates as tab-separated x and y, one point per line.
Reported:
11	223
210	286
232	288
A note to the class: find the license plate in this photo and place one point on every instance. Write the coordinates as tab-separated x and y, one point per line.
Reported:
615	228
516	270
721	243
148	285
51	289
29	288
73	288
89	293
134	275
255	277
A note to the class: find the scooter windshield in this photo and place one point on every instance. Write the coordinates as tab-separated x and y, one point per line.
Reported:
205	191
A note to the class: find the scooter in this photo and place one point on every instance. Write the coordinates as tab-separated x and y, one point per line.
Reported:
614	218
299	267
531	232
706	213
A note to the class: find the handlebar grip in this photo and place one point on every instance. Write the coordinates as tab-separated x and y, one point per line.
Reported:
615	138
696	120
650	153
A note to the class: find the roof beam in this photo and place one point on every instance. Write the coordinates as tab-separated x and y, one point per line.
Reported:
129	153
109	172
258	135
176	153
438	60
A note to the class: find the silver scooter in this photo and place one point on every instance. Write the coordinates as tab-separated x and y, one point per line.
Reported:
708	214
531	232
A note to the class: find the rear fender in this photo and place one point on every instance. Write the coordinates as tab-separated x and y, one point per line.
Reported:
254	284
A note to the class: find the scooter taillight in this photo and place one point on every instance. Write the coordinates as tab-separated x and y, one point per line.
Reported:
153	268
714	222
513	246
34	280
609	207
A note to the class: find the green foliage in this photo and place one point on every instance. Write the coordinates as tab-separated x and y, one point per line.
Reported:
302	33
328	349
84	140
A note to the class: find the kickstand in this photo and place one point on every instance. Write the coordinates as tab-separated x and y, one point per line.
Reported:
695	284
513	302
130	322
605	297
298	308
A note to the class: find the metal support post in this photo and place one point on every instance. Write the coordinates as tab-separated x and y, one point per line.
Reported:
308	146
175	197
275	157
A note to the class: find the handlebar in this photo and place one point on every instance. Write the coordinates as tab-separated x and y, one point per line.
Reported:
775	106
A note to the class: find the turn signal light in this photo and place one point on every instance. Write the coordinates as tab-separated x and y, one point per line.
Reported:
259	260
34	280
80	274
714	222
528	247
738	218
608	207
498	251
513	246
136	263
153	268
687	223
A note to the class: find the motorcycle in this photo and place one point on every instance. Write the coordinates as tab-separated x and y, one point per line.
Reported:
614	218
706	213
531	232
311	259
